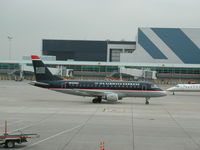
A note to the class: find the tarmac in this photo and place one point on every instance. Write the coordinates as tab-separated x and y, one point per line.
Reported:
66	122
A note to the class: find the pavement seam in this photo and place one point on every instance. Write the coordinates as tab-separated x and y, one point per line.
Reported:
33	124
132	117
55	135
180	126
76	133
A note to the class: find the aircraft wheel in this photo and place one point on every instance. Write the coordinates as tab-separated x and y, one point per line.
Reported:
99	99
147	102
10	144
95	100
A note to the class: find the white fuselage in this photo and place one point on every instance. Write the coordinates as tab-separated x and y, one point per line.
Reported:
185	88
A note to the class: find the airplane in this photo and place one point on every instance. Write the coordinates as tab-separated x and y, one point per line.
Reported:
185	88
107	90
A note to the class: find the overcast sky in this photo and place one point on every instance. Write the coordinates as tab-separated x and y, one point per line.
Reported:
30	21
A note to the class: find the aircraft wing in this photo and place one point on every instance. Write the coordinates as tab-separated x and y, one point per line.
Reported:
90	92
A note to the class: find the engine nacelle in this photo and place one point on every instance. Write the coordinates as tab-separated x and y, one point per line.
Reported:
111	97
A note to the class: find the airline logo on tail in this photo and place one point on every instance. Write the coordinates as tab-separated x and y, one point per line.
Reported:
40	70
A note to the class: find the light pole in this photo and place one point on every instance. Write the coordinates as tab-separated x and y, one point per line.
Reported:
10	42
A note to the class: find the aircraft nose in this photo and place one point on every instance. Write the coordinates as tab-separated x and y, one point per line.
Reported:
170	89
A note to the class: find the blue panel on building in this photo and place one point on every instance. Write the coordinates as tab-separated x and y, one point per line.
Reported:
180	44
149	46
76	49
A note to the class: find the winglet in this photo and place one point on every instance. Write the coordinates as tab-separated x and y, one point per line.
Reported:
35	57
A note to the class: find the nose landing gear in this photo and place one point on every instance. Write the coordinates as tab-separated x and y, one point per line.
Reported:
147	100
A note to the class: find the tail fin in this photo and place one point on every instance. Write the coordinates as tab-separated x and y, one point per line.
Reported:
42	73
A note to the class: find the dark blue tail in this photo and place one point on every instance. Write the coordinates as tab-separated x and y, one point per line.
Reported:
42	73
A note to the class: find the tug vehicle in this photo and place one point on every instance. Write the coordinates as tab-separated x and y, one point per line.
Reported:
9	140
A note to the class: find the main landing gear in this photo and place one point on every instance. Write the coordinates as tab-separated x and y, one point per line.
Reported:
147	100
97	99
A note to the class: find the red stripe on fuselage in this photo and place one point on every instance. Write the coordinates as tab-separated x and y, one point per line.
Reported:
106	89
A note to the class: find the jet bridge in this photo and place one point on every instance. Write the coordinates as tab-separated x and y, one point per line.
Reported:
139	73
25	70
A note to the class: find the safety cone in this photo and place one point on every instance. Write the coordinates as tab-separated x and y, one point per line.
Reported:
102	146
6	128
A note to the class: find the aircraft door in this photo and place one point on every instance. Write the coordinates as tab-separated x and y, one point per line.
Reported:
64	85
144	87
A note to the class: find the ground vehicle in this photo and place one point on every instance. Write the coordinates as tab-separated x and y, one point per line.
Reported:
9	140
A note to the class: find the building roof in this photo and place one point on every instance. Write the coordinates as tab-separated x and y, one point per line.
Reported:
104	63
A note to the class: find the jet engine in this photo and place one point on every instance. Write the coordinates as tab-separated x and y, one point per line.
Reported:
111	97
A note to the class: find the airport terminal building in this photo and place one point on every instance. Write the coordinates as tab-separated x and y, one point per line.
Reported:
174	53
84	50
166	45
